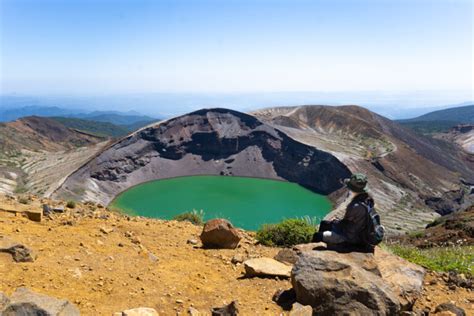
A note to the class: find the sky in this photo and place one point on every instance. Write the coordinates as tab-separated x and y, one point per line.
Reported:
72	47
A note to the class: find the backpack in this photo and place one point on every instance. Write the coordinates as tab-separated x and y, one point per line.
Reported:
374	230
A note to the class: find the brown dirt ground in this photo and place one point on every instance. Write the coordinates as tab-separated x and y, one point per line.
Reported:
105	272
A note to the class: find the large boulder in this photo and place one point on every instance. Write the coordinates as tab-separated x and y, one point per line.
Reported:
405	278
219	233
266	267
19	252
25	302
364	283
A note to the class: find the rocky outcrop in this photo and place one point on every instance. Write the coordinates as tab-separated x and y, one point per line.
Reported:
367	284
205	142
25	302
266	267
19	252
219	233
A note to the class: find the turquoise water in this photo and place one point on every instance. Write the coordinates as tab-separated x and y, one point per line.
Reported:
246	202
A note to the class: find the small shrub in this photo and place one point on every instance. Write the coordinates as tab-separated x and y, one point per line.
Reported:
71	204
287	233
195	217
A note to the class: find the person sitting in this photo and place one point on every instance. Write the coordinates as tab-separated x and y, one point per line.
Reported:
355	228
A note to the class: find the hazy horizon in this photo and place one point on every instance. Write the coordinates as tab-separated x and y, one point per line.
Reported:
102	47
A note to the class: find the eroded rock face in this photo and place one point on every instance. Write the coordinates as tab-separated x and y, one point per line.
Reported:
219	233
209	141
25	302
364	283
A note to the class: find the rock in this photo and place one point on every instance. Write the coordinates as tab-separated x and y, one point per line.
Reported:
238	258
193	312
301	310
287	255
4	300
106	230
285	298
46	209
449	307
192	242
26	302
219	233
139	311
229	310
266	267
405	278
19	252
334	283
58	209
35	216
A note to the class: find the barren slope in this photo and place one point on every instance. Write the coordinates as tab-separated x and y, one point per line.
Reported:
404	168
36	153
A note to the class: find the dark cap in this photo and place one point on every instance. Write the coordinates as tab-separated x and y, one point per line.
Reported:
357	183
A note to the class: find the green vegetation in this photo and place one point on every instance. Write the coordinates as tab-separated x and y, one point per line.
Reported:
459	259
101	129
71	204
195	217
287	233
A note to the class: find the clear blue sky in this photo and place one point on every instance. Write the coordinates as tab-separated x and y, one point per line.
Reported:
135	46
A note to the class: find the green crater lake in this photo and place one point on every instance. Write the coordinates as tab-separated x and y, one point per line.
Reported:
246	202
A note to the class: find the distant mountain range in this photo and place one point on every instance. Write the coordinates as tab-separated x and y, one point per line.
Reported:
440	121
461	114
114	117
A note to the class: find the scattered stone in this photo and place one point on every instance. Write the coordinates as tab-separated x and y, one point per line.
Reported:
285	298
266	267
287	255
58	209
139	311
19	252
153	257
238	258
106	230
334	283
229	310
301	310
46	209
219	233
192	242
35	216
449	307
179	301
27	302
193	312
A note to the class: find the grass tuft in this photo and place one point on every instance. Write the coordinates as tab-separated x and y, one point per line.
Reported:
195	217
458	259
